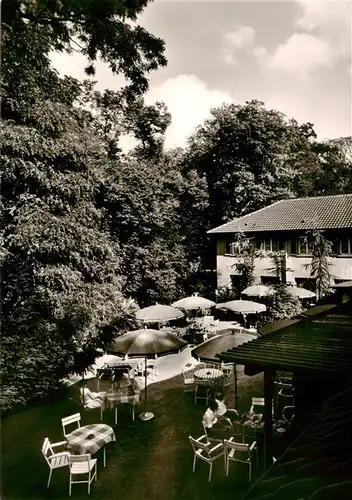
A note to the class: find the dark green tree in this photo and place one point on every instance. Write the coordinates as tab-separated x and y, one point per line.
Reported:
62	280
328	169
249	157
98	29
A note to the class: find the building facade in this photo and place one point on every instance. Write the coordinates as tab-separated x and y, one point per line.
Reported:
282	227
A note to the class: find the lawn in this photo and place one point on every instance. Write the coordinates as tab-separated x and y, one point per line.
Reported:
149	459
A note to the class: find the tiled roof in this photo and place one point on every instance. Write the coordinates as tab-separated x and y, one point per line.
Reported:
321	212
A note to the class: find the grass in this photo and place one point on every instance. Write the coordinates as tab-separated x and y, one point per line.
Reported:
149	459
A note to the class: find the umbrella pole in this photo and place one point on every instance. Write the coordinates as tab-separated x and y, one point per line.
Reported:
236	394
146	415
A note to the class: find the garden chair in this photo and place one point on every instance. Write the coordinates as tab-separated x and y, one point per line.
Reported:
258	402
206	451
55	460
239	452
202	391
210	440
288	414
188	381
91	404
72	419
284	390
82	464
228	371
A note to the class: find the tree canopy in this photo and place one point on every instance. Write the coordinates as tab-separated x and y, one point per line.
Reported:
91	232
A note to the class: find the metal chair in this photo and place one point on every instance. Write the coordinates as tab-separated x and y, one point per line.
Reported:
188	381
91	404
258	402
72	419
206	451
288	414
82	464
284	389
202	391
55	460
239	452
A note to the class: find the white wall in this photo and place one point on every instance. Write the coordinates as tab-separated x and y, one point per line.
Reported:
341	268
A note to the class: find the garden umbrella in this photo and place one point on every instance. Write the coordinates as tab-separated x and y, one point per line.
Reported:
158	312
301	293
146	343
210	349
242	306
344	284
258	291
193	302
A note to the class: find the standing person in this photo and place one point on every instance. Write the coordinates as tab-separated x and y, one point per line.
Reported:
214	428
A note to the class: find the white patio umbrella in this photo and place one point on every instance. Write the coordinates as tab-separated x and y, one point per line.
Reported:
344	284
242	306
146	343
193	302
258	291
158	312
209	350
301	293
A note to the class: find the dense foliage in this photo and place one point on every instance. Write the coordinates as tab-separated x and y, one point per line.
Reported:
90	233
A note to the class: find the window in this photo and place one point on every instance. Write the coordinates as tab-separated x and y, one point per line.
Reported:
234	248
303	248
335	249
345	246
270	280
341	246
269	245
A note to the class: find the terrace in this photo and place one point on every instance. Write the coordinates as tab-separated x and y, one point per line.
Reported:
154	459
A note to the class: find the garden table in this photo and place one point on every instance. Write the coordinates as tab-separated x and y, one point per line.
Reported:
208	374
90	438
116	398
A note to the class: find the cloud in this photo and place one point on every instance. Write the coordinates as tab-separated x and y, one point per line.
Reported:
322	38
330	18
237	41
299	55
189	101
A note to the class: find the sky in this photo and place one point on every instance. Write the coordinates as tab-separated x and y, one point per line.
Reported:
295	56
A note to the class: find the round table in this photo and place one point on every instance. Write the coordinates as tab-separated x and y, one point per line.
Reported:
208	374
90	438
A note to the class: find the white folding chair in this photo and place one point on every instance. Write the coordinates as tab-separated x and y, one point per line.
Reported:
258	402
239	452
91	404
54	460
82	464
188	381
72	419
284	389
206	451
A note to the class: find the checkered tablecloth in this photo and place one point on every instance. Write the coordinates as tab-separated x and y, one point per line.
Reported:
208	374
116	398
78	440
